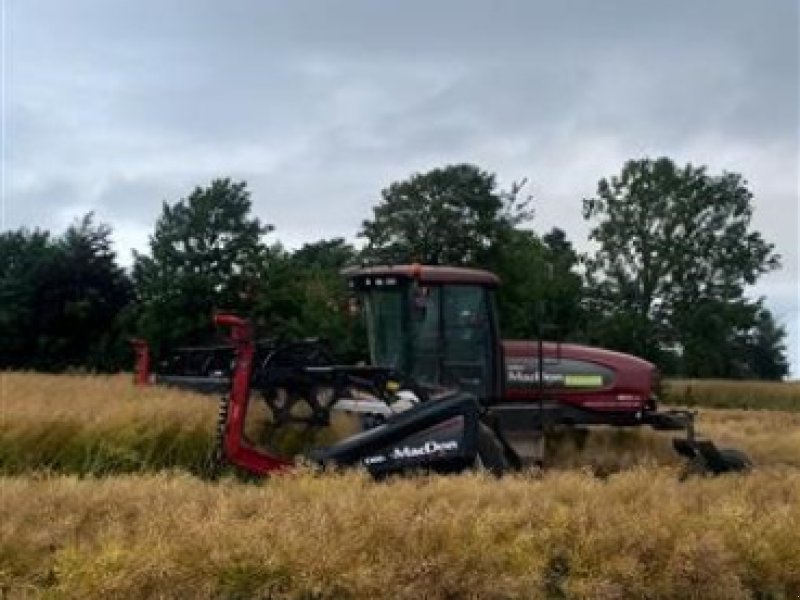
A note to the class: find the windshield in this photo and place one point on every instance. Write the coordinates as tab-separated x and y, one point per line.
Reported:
439	335
466	348
384	313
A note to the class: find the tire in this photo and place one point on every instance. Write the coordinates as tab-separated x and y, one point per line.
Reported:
732	461
736	461
491	455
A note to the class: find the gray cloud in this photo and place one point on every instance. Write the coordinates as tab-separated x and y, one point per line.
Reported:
116	107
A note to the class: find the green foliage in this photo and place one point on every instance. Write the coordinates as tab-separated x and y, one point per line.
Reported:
26	259
733	339
61	300
676	253
541	290
304	295
764	347
205	255
448	216
331	255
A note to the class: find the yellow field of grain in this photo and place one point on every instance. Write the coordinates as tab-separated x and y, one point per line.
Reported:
722	393
97	424
641	533
103	424
102	495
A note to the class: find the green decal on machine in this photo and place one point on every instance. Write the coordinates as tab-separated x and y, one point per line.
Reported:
523	372
587	381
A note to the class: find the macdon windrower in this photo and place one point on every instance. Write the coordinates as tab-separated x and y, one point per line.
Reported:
442	393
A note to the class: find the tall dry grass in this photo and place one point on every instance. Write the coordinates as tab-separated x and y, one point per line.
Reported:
97	424
637	534
726	393
642	532
769	438
103	425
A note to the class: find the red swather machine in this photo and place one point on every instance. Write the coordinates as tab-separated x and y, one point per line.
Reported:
443	391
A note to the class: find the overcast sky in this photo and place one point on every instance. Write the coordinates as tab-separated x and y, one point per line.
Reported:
114	107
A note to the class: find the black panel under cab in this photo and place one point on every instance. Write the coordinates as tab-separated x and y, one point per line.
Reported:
438	436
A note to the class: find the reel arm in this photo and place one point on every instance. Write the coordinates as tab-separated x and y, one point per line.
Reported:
236	451
294	372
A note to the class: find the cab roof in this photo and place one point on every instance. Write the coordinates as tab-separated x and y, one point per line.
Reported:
427	274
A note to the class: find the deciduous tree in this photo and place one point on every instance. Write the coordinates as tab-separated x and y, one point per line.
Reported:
448	216
61	299
205	255
672	242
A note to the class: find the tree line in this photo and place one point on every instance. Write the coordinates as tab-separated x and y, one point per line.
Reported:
674	252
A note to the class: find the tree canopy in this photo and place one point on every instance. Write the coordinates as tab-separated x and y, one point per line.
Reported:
672	260
541	289
673	243
62	300
448	216
305	296
206	253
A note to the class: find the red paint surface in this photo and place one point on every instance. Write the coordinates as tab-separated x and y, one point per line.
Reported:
629	391
236	451
141	372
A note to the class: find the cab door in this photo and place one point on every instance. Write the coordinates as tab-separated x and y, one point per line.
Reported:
467	339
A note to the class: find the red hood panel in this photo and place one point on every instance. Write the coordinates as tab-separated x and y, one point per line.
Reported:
592	378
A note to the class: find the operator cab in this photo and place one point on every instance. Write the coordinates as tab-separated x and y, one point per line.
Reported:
434	325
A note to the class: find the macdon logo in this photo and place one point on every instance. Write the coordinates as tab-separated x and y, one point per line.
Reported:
522	376
426	449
